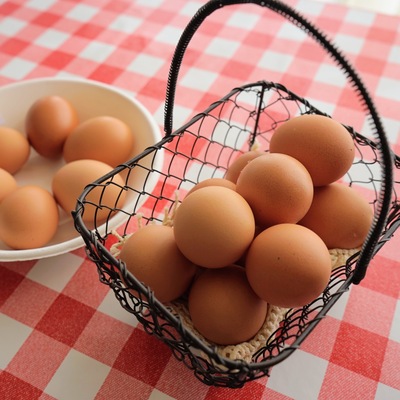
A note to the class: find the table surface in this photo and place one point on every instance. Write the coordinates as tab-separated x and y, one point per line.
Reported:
63	334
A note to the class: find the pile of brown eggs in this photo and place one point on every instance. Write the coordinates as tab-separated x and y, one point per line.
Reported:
259	236
29	213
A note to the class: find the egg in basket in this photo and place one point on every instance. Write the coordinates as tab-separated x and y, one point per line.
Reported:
226	260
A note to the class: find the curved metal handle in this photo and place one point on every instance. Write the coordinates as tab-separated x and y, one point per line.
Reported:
367	251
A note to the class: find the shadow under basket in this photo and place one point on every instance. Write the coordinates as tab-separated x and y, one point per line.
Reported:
204	148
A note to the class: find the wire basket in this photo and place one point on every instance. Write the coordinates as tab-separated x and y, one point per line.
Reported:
247	115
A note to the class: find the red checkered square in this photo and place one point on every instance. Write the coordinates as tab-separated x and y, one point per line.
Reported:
38	359
13	46
7	8
370	310
83	278
359	350
121	386
46	19
252	390
383	277
270	394
322	339
20	267
341	383
117	6
89	30
143	357
390	374
103	338
20	304
106	73
12	388
57	60
9	281
179	382
65	320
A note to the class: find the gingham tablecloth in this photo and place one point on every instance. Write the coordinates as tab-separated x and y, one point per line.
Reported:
62	333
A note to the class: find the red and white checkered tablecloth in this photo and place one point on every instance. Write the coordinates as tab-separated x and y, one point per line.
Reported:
62	333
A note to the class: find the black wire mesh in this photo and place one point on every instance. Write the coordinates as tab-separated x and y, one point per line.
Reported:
201	149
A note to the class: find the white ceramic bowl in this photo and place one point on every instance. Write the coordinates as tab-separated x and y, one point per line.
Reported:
90	98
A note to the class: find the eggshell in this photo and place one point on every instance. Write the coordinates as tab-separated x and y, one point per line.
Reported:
288	265
278	188
340	215
103	138
213	226
320	143
14	149
70	180
151	255
48	122
8	183
213	182
224	308
234	169
28	217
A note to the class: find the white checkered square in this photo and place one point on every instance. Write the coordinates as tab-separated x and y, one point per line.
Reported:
385	392
125	24
291	32
111	306
349	44
360	17
243	20
330	74
150	3
388	88
169	35
275	61
55	272
222	48
198	79
395	329
157	395
97	51
190	8
394	55
82	12
78	377
51	39
17	68
11	26
285	376
13	335
146	65
40	4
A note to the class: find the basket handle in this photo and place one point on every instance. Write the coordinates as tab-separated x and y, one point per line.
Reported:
381	214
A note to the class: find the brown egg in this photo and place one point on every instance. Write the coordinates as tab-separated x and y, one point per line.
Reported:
239	163
213	182
224	308
278	188
8	184
213	226
70	180
320	143
103	138
340	215
288	265
48	122
14	149
28	218
151	255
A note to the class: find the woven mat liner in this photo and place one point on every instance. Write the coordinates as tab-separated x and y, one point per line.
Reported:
245	351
